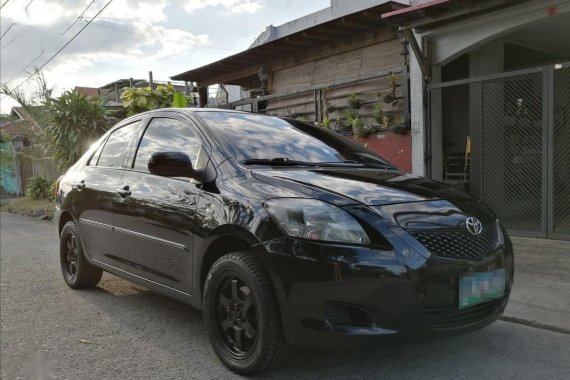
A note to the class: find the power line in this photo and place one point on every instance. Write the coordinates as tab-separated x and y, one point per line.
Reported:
2	6
25	67
145	35
31	1
58	4
11	41
282	10
64	46
7	30
80	16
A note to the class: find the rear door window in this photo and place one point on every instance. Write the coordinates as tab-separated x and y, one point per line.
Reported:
116	147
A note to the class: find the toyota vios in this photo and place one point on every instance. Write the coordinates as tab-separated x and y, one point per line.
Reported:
283	233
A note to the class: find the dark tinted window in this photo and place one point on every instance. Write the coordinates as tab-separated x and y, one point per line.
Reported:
116	146
93	160
166	135
251	136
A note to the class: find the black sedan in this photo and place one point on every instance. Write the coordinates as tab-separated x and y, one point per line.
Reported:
282	232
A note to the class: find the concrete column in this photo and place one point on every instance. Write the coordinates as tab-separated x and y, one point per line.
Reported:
436	132
417	111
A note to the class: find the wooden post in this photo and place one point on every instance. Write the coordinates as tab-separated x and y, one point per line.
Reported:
150	81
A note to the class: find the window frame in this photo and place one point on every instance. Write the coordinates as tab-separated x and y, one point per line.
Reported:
135	136
190	124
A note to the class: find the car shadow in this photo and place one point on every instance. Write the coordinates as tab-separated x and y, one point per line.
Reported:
177	329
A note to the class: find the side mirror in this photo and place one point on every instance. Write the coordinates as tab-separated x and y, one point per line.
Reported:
171	164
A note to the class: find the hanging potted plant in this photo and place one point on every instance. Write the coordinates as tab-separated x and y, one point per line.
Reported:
354	101
400	129
389	98
379	113
358	129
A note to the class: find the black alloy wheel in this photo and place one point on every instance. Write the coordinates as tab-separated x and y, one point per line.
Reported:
237	315
241	315
77	271
71	255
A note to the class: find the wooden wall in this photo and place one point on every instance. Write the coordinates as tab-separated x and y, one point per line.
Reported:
355	66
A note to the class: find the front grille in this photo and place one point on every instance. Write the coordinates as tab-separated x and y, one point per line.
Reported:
446	318
459	244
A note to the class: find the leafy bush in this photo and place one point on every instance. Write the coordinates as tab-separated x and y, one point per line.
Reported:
75	122
39	188
137	100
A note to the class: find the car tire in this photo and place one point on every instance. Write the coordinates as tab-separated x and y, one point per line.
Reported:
77	271
241	315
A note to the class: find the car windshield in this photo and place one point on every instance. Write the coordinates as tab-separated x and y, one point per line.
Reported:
268	140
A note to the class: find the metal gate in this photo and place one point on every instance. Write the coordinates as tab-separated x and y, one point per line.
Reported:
559	219
525	151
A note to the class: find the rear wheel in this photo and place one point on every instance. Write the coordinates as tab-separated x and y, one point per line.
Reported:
77	271
241	315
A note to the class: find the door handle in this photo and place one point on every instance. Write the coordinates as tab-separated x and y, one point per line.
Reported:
124	192
79	185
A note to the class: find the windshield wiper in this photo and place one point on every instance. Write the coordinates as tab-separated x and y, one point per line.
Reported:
276	161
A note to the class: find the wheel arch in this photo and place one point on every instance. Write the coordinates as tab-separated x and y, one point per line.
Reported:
224	240
65	217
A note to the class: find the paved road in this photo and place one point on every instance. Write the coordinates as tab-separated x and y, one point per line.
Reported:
123	331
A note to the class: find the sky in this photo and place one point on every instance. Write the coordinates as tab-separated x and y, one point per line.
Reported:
128	38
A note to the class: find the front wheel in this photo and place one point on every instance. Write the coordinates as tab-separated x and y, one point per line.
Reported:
77	271
241	315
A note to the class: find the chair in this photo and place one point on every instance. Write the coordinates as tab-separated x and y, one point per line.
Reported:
458	165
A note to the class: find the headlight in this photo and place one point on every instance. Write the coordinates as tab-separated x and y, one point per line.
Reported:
315	220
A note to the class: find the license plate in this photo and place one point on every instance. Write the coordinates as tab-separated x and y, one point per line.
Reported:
475	288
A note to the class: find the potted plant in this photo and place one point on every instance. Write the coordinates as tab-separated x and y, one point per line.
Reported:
389	98
354	101
358	129
379	113
400	129
326	122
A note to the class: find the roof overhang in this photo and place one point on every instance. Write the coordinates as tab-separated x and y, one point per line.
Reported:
242	68
435	13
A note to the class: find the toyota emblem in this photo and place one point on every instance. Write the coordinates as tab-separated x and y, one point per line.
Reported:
473	225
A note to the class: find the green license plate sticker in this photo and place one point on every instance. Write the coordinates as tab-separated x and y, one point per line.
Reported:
475	288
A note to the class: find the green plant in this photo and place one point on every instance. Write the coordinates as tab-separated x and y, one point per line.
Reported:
75	121
137	100
38	188
358	128
354	101
393	80
326	122
6	154
379	112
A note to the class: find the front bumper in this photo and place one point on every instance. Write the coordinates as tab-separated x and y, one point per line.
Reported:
346	297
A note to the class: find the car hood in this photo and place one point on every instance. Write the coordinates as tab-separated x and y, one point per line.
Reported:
372	187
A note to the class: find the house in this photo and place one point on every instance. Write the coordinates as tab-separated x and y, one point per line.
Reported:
490	80
309	68
479	92
110	93
87	91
